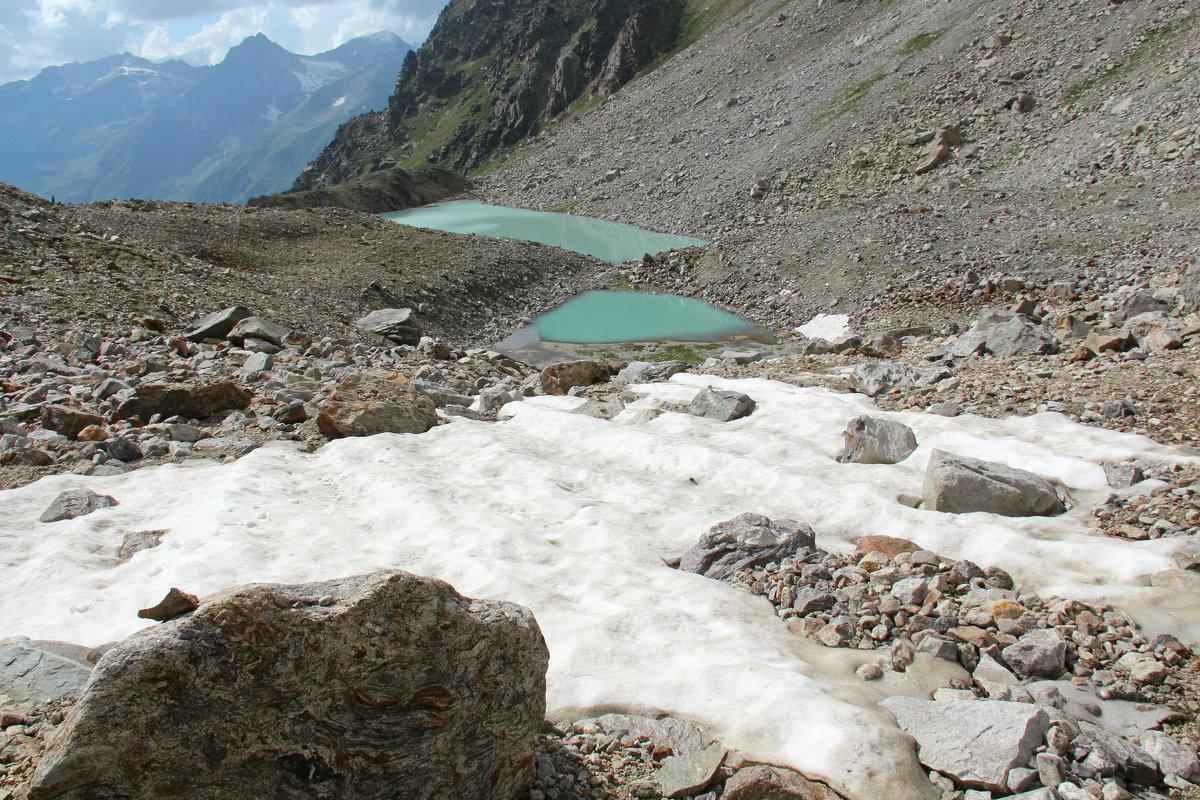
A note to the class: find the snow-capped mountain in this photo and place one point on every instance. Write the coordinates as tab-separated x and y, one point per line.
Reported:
123	126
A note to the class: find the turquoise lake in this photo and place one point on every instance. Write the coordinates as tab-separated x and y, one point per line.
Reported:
611	241
611	316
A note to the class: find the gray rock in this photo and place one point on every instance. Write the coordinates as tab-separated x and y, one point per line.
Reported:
650	371
681	735
974	742
1019	336
946	408
1123	475
1044	793
397	324
1172	757
194	401
691	772
1051	769
564	376
382	685
136	541
910	591
218	324
809	601
122	448
1038	654
1141	303
959	484
1189	282
258	362
879	377
938	647
763	782
441	395
75	503
877	441
1111	754
725	406
36	672
748	540
257	328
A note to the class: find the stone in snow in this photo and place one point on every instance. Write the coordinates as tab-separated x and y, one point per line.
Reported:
381	685
414	413
959	484
725	406
680	735
36	672
175	604
75	503
748	540
974	742
218	324
397	324
877	441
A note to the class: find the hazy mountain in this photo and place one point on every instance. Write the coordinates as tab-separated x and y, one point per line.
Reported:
123	126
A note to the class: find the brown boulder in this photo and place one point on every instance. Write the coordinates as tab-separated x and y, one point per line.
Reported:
70	422
562	377
382	685
763	782
195	401
414	414
889	546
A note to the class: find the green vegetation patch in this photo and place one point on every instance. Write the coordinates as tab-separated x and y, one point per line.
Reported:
1154	38
919	42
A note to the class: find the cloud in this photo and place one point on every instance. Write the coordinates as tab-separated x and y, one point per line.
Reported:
38	33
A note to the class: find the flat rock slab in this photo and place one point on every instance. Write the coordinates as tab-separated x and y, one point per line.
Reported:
974	742
36	672
681	735
746	541
959	484
721	405
195	401
381	685
397	324
691	772
650	371
257	328
75	503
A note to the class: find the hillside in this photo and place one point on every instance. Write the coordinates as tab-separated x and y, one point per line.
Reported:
125	127
805	139
493	72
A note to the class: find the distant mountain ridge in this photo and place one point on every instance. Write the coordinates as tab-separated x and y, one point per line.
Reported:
123	126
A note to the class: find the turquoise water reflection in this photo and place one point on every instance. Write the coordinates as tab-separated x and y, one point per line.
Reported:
610	241
610	316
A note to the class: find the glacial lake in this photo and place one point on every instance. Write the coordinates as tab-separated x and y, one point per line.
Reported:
613	242
611	316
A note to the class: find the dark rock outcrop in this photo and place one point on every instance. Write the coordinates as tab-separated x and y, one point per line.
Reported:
502	68
382	685
196	401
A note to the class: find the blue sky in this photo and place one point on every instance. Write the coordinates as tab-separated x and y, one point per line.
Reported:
38	33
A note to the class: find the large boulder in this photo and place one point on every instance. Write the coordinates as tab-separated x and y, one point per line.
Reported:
382	685
1038	654
746	541
1019	336
195	401
975	742
959	484
396	324
37	672
722	405
218	324
874	378
564	376
877	441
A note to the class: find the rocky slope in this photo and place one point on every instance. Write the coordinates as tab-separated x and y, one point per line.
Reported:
810	141
492	72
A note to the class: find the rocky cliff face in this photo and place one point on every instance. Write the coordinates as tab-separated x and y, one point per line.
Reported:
491	72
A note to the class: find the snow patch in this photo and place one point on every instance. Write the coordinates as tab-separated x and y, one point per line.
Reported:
572	516
825	326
